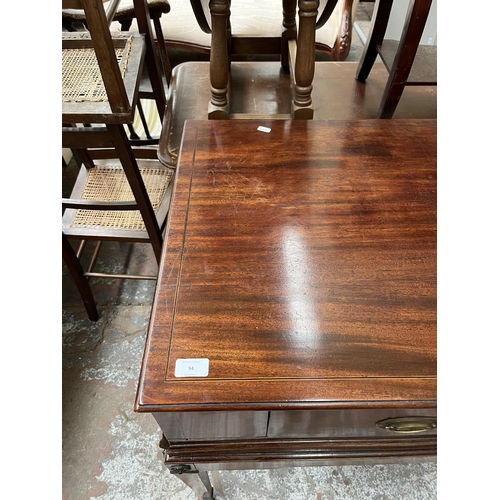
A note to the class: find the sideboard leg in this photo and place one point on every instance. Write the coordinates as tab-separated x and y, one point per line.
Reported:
199	482
206	482
217	483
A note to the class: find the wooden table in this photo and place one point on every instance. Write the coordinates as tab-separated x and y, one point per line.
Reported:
301	263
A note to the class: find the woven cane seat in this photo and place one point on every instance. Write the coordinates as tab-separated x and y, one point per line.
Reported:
106	182
109	183
84	96
81	75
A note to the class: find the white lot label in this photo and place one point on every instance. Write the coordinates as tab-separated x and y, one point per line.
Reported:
196	367
264	129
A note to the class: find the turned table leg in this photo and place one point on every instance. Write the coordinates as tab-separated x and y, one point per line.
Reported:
218	107
302	107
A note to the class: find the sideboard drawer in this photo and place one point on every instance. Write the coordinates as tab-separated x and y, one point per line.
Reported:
199	425
352	423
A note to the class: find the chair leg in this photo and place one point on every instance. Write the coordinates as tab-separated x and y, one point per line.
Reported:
143	119
342	45
302	106
133	134
133	174
288	31
218	107
162	47
380	19
76	270
418	11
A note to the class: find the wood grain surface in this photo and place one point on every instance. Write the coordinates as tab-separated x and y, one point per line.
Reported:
302	264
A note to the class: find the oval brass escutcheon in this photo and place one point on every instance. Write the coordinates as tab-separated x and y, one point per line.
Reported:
408	425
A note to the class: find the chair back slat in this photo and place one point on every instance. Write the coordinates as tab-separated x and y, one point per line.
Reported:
111	10
104	51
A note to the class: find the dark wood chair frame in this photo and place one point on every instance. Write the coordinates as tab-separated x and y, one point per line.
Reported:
107	138
399	62
78	274
72	18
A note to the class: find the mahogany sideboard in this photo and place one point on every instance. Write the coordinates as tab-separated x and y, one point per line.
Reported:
294	321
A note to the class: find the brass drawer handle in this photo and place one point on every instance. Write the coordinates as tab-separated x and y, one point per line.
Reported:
408	425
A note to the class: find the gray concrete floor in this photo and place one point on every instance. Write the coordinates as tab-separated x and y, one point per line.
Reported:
111	453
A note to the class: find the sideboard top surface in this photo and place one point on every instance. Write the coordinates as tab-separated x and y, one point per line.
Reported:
301	262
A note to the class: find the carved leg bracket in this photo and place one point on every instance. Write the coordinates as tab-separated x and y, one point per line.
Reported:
198	481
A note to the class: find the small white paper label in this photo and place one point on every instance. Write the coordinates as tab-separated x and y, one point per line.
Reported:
196	367
264	129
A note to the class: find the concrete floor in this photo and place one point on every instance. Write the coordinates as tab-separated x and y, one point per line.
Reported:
111	453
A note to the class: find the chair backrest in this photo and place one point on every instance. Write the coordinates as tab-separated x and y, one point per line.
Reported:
98	19
121	96
201	11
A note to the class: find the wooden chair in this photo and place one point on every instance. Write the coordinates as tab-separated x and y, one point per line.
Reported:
295	45
408	62
185	28
122	192
124	18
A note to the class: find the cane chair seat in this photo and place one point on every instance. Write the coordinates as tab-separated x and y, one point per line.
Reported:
84	96
107	183
81	76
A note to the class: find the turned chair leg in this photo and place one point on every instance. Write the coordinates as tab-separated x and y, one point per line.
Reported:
218	108
302	106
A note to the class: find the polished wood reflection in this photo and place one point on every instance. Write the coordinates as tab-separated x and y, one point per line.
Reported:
302	264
